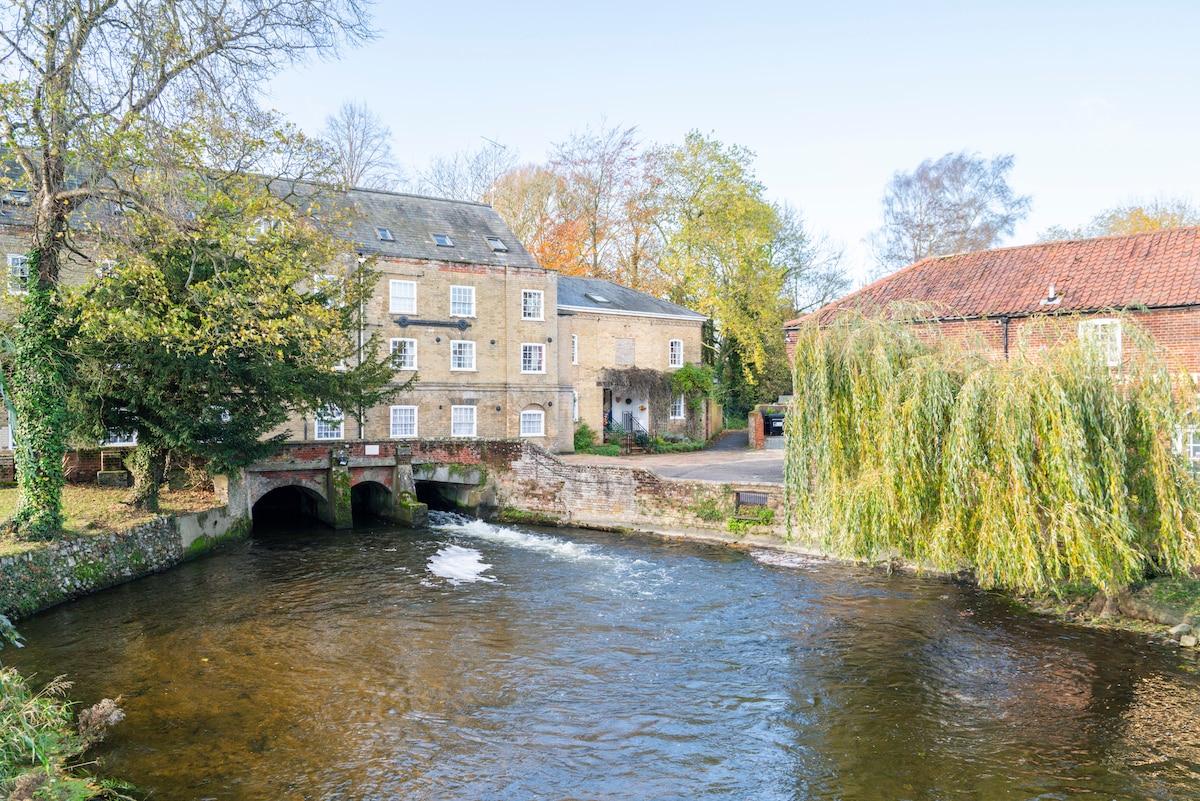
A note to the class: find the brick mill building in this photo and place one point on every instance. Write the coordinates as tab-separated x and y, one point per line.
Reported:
464	307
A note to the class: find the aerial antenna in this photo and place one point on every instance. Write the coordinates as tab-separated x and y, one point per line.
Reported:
495	164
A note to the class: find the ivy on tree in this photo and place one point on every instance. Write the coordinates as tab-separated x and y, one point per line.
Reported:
90	91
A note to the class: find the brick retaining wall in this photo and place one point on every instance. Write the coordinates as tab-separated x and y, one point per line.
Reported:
539	484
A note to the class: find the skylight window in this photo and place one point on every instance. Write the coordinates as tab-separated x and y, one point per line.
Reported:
385	235
497	245
592	296
443	241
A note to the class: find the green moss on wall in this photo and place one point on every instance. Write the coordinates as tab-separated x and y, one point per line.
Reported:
240	530
510	515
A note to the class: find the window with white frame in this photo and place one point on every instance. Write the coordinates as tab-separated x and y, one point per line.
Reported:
1105	337
1190	446
575	406
462	301
675	353
404	354
18	274
462	354
677	408
114	438
531	304
533	357
462	421
574	348
329	423
533	423
403	297
404	422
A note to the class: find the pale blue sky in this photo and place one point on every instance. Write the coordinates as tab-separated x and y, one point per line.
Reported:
1098	101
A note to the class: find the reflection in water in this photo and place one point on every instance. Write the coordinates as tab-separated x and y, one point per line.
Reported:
470	661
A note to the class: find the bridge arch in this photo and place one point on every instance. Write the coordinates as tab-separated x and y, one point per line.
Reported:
369	498
288	498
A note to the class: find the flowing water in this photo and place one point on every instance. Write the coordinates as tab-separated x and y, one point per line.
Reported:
470	661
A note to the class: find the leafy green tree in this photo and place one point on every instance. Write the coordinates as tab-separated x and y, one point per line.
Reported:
203	339
87	88
719	257
1047	467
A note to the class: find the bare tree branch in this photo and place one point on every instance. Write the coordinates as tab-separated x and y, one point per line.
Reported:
958	203
361	147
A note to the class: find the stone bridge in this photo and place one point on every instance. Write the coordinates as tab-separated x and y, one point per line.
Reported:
328	481
388	478
507	479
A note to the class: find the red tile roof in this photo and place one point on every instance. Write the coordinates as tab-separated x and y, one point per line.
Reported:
1155	269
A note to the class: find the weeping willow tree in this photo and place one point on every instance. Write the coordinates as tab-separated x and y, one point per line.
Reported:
1049	467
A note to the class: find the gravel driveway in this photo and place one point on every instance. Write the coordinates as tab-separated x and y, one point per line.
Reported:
728	460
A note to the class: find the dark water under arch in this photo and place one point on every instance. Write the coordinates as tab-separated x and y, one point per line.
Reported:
477	662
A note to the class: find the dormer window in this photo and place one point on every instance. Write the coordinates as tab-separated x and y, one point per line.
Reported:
385	235
443	240
497	245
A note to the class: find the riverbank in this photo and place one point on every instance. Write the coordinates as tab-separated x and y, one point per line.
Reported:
106	543
89	510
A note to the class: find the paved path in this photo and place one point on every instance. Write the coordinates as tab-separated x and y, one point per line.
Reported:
727	460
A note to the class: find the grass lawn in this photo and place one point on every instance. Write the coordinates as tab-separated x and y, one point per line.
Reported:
100	510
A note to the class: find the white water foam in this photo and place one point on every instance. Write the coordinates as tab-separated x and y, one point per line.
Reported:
459	565
796	561
553	547
637	575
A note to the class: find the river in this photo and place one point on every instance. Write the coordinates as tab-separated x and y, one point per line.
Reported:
471	661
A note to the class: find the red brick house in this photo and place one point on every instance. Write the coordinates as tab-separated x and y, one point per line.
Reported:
992	294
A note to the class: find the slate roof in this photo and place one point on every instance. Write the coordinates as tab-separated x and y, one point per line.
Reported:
1156	269
573	294
414	219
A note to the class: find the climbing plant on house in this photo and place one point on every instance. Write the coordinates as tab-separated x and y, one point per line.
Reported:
1045	468
89	95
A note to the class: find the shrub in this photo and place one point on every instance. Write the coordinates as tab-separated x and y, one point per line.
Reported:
40	744
585	437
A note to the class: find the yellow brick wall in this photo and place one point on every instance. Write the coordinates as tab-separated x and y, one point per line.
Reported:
497	387
597	345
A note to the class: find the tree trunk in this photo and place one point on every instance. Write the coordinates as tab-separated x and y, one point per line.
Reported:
1106	605
147	464
40	375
